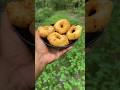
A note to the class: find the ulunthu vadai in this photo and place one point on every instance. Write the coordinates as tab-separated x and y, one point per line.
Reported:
62	26
44	31
98	13
57	39
18	14
74	32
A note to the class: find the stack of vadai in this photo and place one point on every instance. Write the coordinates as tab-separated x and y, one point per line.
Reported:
98	13
61	34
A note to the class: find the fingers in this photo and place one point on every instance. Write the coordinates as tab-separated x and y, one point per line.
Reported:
38	40
39	44
37	37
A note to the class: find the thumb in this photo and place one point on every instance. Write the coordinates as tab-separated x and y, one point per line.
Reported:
39	44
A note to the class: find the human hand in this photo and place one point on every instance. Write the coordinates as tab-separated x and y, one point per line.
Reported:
44	55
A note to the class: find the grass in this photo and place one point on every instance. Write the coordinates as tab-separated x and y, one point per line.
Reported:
61	15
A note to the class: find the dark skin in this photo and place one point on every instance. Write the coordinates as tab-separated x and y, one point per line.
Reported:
19	70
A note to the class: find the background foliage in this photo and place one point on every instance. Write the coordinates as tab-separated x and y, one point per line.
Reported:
68	72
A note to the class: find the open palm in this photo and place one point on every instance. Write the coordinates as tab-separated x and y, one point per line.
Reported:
49	55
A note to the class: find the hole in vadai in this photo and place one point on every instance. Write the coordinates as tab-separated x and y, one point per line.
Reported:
57	37
61	26
52	24
73	30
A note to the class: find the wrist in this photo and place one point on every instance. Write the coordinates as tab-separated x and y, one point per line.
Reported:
44	60
39	65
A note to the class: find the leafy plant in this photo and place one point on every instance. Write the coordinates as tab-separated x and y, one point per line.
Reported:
43	13
60	15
